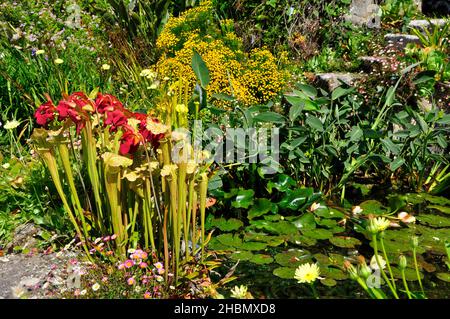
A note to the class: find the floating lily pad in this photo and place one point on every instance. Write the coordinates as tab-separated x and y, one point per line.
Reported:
318	233
444	276
282	183
273	218
434	220
442	209
329	282
345	242
329	223
333	273
226	225
373	207
293	257
294	199
337	229
281	227
326	212
230	240
241	255
306	221
284	272
302	240
244	198
261	207
214	244
250	245
322	259
261	259
410	274
336	259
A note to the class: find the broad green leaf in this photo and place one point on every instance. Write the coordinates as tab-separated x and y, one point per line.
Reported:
261	259
314	123
270	117
200	69
260	207
284	272
243	199
345	242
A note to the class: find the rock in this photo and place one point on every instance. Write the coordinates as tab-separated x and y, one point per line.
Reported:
364	12
24	237
372	63
425	24
399	41
331	81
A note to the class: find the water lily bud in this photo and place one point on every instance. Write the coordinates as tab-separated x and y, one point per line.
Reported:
402	262
352	272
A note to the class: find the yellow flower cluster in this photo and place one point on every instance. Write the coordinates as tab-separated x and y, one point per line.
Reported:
252	77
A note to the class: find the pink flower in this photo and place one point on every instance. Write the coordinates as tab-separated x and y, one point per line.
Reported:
114	236
121	266
147	295
131	281
159	265
129	263
143	265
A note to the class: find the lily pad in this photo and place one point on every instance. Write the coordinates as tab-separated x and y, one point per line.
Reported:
244	198
410	274
345	242
434	220
372	206
444	276
282	183
318	233
294	199
442	209
293	257
261	259
251	245
281	227
261	207
284	272
333	273
230	240
302	240
306	221
241	255
215	244
226	224
329	282
327	212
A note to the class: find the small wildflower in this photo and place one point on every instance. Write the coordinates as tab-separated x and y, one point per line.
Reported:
10	125
314	206
131	281
239	292
106	67
121	266
356	210
307	273
143	265
113	237
95	287
58	61
129	263
147	295
39	52
83	292
158	265
181	108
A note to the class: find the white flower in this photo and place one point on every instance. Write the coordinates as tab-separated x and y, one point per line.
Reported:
374	264
106	67
378	224
95	287
357	210
314	206
239	292
6	165
406	218
10	125
83	292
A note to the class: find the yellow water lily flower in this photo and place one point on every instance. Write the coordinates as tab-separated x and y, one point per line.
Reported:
307	273
378	224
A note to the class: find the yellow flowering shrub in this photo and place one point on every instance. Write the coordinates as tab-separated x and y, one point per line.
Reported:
252	77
